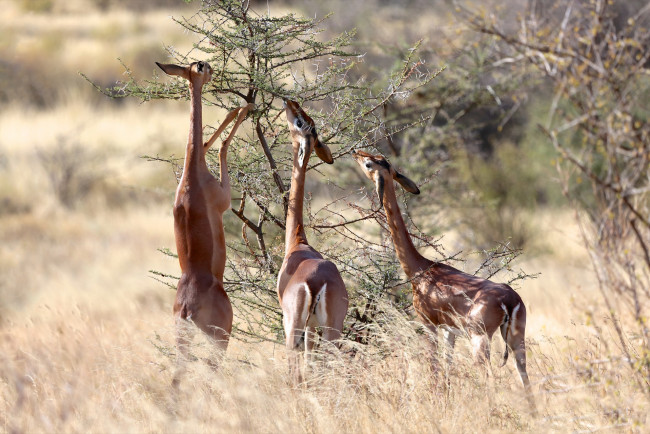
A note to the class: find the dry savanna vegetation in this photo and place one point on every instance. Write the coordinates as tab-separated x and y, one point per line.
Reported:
499	142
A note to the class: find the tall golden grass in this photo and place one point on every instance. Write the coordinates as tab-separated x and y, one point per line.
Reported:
85	334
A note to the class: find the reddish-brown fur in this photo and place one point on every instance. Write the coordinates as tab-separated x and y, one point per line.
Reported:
200	202
304	272
443	295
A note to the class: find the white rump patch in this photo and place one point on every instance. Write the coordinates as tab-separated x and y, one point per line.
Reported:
513	320
503	306
304	315
320	306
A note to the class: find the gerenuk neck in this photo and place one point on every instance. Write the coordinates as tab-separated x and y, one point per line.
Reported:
195	140
410	259
295	230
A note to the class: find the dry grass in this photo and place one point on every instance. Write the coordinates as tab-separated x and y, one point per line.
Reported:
85	333
96	354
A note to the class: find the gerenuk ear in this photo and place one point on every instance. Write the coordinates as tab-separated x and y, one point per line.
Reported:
379	183
171	69
323	152
406	183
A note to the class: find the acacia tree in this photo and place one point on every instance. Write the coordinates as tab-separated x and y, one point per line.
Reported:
594	56
262	59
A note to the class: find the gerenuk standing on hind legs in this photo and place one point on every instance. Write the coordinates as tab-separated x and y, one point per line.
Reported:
201	200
